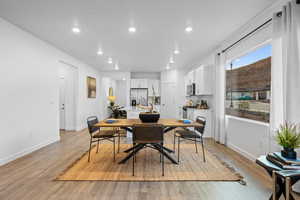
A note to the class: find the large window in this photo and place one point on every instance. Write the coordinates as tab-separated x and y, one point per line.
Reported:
248	81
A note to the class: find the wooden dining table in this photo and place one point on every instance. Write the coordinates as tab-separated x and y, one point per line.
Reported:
169	124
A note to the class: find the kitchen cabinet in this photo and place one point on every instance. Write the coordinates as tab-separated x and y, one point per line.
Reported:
189	79
204	80
153	84
139	83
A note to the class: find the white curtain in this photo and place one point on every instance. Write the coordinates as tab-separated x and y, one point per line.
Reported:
220	132
285	84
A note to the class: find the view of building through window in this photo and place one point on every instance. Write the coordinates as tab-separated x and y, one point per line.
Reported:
248	85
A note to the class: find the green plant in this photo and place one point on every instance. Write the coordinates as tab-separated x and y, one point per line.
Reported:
288	136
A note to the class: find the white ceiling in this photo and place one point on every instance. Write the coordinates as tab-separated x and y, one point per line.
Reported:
160	27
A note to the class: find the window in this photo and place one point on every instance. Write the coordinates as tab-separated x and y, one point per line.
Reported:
248	85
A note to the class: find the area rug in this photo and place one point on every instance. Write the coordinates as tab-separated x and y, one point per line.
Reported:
148	167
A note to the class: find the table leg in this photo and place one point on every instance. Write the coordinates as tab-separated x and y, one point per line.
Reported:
137	149
158	147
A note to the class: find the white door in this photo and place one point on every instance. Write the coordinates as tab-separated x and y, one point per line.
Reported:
62	114
168	101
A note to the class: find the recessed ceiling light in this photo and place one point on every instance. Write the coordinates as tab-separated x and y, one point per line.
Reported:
132	29
176	51
100	52
76	30
171	60
168	67
124	79
109	61
188	29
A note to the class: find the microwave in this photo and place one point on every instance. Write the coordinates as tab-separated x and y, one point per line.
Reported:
191	89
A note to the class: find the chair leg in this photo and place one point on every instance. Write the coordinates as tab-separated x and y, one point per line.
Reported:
196	145
114	149
133	159
119	139
174	142
163	163
178	148
97	146
203	152
90	150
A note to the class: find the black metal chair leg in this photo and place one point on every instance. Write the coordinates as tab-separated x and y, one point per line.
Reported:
196	145
114	149
163	164
90	150
97	146
203	149
174	142
178	149
133	159
119	139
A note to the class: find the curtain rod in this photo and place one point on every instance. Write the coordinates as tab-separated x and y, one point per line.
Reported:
253	31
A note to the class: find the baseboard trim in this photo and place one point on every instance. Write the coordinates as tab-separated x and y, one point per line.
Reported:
27	151
242	152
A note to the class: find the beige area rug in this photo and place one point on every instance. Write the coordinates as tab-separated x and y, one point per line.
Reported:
148	167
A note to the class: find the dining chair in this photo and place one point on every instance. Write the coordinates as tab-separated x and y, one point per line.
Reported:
98	135
148	134
196	136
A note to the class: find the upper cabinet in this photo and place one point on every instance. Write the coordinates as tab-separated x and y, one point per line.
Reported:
191	77
139	83
204	80
153	85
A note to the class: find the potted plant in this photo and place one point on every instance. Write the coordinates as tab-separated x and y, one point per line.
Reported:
289	138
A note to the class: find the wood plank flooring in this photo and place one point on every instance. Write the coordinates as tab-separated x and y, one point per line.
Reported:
31	178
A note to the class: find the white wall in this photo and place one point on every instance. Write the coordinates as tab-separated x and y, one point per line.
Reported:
29	85
250	138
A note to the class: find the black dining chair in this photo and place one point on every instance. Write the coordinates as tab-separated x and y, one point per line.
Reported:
98	135
195	136
148	134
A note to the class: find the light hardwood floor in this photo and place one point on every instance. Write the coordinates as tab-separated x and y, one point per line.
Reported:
31	177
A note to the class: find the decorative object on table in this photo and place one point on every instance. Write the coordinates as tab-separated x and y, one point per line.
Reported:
289	138
149	117
282	162
110	121
91	87
185	121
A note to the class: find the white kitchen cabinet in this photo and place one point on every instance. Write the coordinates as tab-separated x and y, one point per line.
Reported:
204	80
153	84
191	77
139	83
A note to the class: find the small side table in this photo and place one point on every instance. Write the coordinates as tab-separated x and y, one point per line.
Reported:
270	167
290	177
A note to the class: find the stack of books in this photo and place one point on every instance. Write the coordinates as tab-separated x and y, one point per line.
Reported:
287	164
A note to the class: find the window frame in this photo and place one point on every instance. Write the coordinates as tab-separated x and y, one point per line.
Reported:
228	63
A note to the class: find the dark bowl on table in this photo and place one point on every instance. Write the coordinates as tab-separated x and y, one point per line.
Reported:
149	117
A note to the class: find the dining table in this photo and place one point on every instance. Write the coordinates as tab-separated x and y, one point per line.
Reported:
127	124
